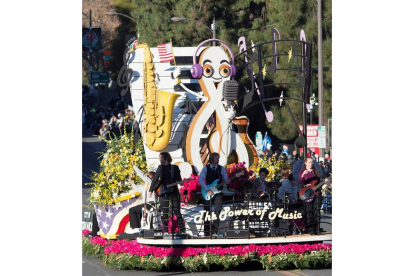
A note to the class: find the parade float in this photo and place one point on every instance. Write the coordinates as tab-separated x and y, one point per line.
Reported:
191	106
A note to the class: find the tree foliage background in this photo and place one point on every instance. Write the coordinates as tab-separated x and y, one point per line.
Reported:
235	18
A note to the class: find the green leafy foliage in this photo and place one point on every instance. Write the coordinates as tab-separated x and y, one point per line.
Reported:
235	18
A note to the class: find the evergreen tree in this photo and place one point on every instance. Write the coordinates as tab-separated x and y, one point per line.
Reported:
254	20
126	27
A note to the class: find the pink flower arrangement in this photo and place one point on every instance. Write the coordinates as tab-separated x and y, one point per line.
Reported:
135	248
119	250
173	222
232	170
85	231
99	240
192	187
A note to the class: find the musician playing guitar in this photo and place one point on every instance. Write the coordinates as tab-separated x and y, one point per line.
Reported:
208	175
307	175
135	213
168	173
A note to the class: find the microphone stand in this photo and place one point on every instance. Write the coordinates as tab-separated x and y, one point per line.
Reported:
272	223
248	213
291	221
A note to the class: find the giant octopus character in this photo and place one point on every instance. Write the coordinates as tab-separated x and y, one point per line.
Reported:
214	71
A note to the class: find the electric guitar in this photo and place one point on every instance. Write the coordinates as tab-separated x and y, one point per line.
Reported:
215	186
165	188
146	218
307	194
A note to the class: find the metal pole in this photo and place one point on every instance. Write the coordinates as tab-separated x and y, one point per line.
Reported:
90	51
320	72
213	27
311	112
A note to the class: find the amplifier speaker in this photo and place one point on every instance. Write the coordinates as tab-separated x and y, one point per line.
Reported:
125	236
283	224
237	234
283	228
176	237
153	234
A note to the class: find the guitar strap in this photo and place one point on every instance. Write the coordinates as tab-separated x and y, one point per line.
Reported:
219	172
172	173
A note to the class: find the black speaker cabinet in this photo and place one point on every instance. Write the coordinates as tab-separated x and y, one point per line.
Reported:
283	228
237	234
153	234
125	236
176	237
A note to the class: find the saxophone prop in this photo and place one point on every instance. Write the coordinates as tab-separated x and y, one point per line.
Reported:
158	107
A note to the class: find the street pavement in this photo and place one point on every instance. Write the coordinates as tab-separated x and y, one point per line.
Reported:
91	148
92	266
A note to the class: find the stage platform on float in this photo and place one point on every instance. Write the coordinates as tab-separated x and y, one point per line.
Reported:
324	237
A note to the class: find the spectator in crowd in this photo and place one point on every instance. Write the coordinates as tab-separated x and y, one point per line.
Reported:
105	129
326	170
120	120
295	155
95	115
113	126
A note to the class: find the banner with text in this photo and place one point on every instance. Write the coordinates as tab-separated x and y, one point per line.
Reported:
312	141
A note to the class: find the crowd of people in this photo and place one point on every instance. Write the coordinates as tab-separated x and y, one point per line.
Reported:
108	119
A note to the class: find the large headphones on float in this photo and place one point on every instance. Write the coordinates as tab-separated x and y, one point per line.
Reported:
197	69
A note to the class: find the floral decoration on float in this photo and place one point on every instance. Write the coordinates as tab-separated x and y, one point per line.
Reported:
129	254
111	193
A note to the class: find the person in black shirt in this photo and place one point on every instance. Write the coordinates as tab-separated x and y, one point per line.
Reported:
166	174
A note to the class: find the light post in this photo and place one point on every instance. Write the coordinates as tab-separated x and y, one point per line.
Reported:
320	70
213	25
124	15
312	102
90	50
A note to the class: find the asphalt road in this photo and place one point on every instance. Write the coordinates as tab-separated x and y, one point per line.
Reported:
92	266
91	146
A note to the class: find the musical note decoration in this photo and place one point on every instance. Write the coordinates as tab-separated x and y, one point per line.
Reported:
281	99
264	71
295	51
273	65
247	99
125	74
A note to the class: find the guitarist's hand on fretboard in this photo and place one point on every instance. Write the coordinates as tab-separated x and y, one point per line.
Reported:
210	193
